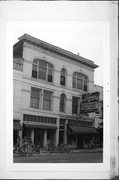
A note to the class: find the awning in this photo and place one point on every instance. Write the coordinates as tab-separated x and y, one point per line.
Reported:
39	126
83	130
17	125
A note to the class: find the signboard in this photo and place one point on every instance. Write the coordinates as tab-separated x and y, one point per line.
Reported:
89	107
89	102
90	97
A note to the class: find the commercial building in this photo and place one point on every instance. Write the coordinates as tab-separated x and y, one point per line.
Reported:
98	114
48	87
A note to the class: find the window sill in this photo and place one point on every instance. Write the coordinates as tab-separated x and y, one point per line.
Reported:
42	110
63	86
75	115
42	81
79	90
62	112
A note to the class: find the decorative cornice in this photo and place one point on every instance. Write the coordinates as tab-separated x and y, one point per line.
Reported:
57	50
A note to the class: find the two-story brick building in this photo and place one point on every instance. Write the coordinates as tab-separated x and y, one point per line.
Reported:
48	86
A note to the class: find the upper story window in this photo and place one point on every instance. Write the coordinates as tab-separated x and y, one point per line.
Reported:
63	77
47	100
41	99
80	81
42	70
18	64
62	103
75	105
35	98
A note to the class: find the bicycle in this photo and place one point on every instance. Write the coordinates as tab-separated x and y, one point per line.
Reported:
36	149
63	148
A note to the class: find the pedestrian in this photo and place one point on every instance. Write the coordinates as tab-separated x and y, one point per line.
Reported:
18	143
92	144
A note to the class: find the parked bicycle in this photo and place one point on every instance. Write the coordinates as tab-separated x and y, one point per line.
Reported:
36	148
50	148
64	148
26	149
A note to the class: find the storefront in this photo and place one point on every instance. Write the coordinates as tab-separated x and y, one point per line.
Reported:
41	130
80	134
17	128
62	131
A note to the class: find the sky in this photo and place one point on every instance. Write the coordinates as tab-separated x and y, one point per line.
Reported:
79	27
85	38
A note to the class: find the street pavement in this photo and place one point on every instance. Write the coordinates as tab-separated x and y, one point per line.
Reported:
81	157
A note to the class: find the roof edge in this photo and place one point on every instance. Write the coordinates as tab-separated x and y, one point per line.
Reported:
58	49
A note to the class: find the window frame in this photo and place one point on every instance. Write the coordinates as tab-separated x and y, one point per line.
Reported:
38	98
76	79
63	76
41	99
64	103
78	107
18	64
47	67
51	100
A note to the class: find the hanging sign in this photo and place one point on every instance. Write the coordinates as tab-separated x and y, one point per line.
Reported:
89	102
89	107
90	97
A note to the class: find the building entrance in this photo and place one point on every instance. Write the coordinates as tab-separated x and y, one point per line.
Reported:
61	137
15	134
38	136
80	141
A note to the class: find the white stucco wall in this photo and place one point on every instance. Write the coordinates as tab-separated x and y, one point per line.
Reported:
17	94
22	91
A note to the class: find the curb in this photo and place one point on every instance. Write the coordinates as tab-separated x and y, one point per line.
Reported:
53	153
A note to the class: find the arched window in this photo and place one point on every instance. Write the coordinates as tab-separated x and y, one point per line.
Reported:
63	77
62	102
42	70
80	81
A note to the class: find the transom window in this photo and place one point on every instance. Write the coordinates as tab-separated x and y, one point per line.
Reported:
63	77
42	70
62	102
80	81
40	119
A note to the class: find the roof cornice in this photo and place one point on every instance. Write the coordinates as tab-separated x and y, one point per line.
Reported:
57	50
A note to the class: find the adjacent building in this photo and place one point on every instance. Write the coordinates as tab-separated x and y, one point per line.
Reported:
48	87
98	114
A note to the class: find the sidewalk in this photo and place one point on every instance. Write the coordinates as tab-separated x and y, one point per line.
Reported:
95	150
75	151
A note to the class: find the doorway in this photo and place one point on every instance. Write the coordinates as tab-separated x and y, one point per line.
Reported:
38	136
61	137
80	141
